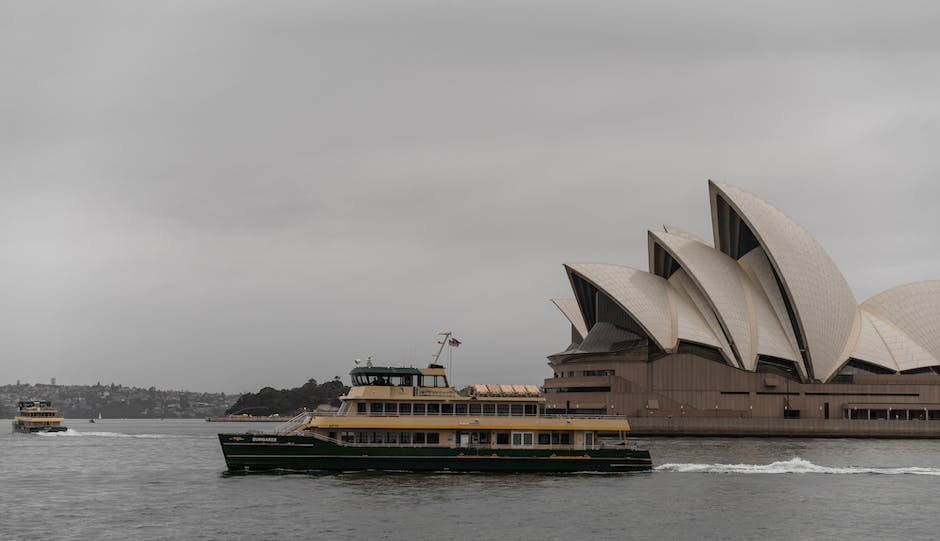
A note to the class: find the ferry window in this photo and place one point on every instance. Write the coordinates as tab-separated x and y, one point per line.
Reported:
516	409
434	409
406	381
404	409
405	437
361	437
485	437
460	409
447	409
433	437
349	437
376	407
419	437
530	410
489	409
475	408
502	410
545	438
420	381
391	408
377	437
561	438
522	438
361	407
391	437
418	409
502	438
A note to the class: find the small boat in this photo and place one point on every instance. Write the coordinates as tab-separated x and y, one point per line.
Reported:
410	419
37	416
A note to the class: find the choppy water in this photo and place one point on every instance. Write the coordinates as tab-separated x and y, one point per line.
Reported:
151	479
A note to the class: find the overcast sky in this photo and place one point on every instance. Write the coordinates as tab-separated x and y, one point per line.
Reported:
227	195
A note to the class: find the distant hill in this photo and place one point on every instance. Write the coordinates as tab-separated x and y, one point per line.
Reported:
115	401
271	401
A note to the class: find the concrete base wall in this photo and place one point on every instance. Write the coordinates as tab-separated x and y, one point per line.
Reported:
803	428
684	394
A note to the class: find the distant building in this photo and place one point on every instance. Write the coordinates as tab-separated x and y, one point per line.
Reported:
758	334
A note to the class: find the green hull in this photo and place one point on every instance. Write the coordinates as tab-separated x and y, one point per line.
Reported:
30	430
254	452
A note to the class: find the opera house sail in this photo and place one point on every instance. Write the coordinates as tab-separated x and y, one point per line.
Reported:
758	333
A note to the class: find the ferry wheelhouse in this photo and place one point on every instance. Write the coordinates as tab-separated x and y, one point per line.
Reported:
37	416
410	419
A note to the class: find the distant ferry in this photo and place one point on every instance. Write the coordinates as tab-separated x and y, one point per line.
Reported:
410	419
37	416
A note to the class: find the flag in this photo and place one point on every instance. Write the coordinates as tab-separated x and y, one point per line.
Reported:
454	342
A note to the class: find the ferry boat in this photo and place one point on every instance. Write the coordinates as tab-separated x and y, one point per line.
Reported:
37	416
410	419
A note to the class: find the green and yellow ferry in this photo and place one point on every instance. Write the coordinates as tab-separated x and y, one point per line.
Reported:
37	416
410	419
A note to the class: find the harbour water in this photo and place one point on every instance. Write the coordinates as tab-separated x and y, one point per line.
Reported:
164	479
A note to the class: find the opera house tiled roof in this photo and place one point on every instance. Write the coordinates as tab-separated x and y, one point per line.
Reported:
766	291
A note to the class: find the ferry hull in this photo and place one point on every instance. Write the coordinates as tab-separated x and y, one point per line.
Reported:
33	429
252	453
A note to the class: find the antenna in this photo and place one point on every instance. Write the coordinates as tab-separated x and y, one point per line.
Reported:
441	343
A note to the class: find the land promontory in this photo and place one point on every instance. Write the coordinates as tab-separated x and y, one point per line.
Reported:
271	401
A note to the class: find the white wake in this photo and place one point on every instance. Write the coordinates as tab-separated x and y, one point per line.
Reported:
71	432
794	465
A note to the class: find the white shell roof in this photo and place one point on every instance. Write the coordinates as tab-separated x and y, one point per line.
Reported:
644	296
783	342
913	308
719	278
771	339
907	353
569	307
674	230
870	347
713	297
704	328
821	299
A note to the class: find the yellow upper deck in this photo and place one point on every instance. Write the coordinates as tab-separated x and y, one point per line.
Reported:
385	398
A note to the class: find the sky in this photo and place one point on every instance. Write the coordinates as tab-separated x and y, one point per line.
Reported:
225	195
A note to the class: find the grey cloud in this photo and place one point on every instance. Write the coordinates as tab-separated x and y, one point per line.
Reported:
223	195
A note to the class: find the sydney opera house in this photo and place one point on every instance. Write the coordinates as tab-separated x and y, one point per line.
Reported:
758	333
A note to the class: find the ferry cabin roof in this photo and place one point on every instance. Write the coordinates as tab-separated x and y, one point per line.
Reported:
433	376
428	384
33	404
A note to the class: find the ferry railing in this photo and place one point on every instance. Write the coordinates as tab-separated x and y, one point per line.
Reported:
433	392
476	415
475	448
581	416
301	418
293	423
